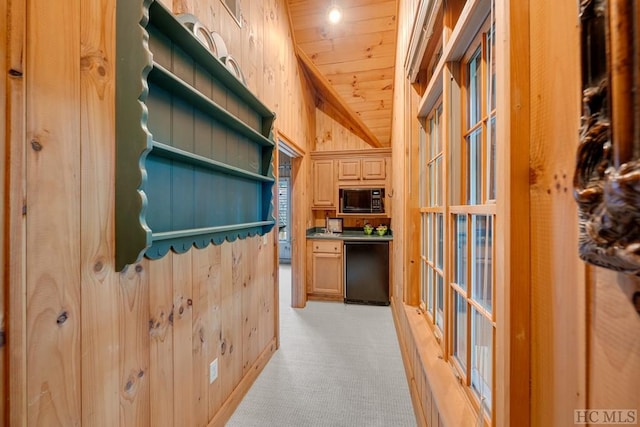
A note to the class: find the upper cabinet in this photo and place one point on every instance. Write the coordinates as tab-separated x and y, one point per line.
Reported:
374	169
333	170
324	189
362	169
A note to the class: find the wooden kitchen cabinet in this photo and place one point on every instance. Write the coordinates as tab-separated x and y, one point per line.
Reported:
373	169
362	169
325	278
349	169
324	189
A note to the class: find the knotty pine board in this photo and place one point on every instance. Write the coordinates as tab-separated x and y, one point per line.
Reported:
4	285
135	373
53	126
100	296
183	396
558	318
204	286
161	352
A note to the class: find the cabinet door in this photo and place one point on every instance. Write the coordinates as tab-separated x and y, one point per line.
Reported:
349	169
323	184
327	273
373	169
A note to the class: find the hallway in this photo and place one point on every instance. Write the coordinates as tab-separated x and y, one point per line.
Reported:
337	365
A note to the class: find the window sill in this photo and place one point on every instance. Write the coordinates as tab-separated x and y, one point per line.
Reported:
442	399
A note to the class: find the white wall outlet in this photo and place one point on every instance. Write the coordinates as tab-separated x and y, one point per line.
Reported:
213	370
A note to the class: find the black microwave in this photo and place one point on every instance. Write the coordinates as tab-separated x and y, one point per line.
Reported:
362	200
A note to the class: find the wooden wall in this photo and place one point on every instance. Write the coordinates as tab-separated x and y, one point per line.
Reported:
87	345
614	349
558	284
582	342
3	167
332	136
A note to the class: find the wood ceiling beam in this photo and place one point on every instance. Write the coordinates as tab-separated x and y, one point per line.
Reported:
329	95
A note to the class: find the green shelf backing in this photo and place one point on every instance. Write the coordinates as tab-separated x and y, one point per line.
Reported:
194	145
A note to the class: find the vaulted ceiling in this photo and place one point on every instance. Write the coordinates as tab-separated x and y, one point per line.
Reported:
351	63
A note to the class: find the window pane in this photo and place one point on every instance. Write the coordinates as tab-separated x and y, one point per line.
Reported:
492	161
432	138
491	65
440	241
474	167
481	250
460	250
432	184
423	282
438	200
423	238
481	358
439	142
474	90
430	290
423	166
440	299
429	236
460	330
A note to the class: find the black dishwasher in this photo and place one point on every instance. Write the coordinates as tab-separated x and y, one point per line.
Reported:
366	272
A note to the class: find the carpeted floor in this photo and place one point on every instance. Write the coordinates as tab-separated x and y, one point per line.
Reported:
338	365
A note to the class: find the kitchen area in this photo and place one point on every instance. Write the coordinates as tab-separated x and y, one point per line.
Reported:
348	247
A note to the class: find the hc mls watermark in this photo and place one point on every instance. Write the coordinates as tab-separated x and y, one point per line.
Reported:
605	416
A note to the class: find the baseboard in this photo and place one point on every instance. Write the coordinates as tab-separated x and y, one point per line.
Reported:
236	396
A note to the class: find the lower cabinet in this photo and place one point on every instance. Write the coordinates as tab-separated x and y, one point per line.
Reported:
324	275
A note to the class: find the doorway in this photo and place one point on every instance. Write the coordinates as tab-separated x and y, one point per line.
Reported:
290	209
284	208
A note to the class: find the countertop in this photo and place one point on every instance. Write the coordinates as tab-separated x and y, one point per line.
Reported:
317	233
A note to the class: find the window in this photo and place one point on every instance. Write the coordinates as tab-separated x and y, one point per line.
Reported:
431	153
473	223
458	221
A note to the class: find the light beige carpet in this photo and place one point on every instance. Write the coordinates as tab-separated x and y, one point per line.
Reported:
338	365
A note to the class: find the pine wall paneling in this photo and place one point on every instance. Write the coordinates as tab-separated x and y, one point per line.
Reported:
129	348
15	242
332	136
100	323
135	339
53	215
614	355
513	335
4	287
558	317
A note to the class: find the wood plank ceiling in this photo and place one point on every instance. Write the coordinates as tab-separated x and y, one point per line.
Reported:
350	63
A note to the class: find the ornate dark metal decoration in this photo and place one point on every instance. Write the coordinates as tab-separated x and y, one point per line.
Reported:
607	175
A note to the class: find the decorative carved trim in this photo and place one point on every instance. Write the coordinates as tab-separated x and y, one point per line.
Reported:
607	177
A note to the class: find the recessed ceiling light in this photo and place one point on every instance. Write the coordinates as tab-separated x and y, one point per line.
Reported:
334	14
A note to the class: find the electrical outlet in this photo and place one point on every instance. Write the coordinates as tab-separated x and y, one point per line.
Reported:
213	371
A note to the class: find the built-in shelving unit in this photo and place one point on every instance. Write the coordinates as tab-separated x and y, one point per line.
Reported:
194	144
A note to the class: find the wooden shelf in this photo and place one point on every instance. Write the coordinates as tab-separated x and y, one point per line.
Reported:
173	84
190	170
161	17
169	152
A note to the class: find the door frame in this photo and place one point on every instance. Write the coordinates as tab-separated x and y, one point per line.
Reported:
297	230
